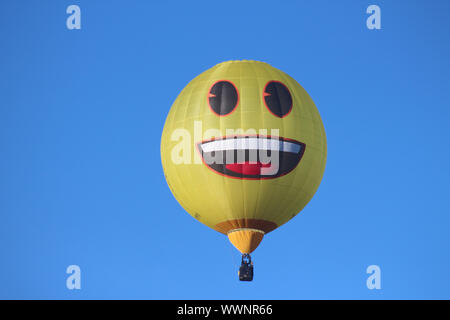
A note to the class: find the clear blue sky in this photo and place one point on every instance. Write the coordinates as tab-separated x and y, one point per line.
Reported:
81	116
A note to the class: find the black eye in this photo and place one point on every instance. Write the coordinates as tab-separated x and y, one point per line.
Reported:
277	98
223	97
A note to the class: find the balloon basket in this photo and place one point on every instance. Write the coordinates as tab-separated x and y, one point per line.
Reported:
246	269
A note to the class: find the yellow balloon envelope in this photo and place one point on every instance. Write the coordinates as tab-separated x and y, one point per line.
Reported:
243	150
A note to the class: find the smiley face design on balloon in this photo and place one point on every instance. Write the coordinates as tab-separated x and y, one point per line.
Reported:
252	147
234	154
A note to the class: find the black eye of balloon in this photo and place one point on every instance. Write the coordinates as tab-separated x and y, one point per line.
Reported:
223	97
277	98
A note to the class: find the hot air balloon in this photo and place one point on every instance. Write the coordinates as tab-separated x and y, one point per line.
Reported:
243	151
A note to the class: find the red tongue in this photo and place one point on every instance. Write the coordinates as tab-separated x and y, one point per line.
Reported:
247	168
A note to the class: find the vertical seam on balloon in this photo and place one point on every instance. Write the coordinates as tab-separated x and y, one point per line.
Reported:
272	72
183	191
201	113
305	99
206	173
287	195
226	183
255	213
244	191
193	86
263	109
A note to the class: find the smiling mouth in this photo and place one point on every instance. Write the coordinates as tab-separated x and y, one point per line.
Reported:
251	157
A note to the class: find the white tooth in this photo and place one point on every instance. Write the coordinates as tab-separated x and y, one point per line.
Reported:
250	144
291	147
